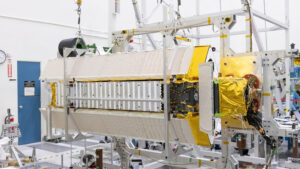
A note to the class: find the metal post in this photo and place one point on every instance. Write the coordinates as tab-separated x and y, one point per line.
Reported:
287	60
225	149
287	22
144	11
224	41
86	163
16	156
84	145
99	158
110	22
140	22
71	154
62	161
198	29
166	113
111	151
65	99
266	81
295	147
49	123
248	35
33	156
266	33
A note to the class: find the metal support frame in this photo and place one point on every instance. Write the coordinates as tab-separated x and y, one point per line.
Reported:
184	23
170	28
120	147
12	134
268	60
49	136
248	20
288	62
198	13
141	23
49	123
174	160
165	95
68	114
233	33
270	19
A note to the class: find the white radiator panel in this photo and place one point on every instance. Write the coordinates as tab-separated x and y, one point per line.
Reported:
206	103
132	95
139	125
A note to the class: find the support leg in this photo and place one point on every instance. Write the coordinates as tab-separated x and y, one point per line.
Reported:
16	156
120	147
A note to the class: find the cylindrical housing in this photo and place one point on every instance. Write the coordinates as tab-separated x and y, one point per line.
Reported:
77	43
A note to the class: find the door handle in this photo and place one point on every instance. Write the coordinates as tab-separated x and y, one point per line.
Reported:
20	107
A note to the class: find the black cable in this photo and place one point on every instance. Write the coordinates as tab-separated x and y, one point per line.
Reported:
254	117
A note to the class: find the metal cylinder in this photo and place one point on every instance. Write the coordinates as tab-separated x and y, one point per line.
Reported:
295	147
241	141
99	159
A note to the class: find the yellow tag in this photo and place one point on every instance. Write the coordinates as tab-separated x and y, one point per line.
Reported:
223	36
266	94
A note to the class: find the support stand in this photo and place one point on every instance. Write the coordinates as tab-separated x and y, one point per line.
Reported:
12	131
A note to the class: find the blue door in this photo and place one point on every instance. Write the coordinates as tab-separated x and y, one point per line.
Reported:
29	116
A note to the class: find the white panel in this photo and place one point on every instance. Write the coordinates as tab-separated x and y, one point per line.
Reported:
132	95
120	66
76	94
140	125
97	94
88	87
206	98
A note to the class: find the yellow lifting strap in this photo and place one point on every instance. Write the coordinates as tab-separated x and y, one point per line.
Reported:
53	92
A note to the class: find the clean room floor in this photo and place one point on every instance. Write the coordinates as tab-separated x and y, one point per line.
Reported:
49	155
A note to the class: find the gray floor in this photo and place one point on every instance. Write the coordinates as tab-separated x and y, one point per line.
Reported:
43	165
51	147
81	143
49	154
169	167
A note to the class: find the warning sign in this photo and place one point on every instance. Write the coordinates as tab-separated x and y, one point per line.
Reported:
29	88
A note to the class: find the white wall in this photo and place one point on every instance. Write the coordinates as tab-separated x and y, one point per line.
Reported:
32	29
24	37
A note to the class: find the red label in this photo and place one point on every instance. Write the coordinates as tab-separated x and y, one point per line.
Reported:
9	68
